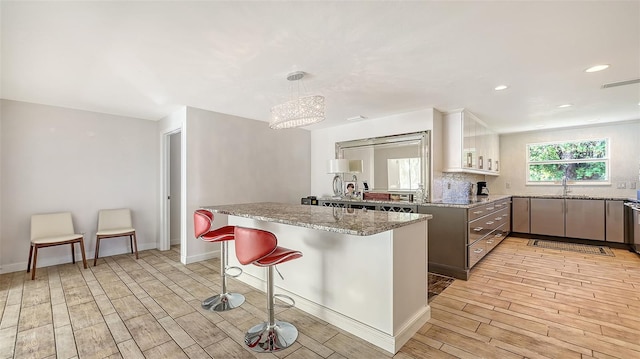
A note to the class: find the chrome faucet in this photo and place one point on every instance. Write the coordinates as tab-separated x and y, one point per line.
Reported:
565	186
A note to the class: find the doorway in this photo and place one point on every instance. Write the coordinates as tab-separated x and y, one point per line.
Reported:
175	185
172	193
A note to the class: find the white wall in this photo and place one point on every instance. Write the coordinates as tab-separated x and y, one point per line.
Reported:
624	159
56	159
323	143
236	160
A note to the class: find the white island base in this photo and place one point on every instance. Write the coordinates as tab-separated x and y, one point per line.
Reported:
374	287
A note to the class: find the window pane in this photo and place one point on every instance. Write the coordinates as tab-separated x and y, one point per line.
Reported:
546	172
568	151
587	171
584	171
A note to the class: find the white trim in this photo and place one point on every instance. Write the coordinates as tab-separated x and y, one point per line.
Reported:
202	256
46	261
164	242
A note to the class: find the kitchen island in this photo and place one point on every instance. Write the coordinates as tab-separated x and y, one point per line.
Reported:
362	271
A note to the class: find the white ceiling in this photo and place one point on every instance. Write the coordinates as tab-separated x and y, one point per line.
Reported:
146	59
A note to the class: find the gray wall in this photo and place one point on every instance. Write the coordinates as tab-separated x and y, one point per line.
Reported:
175	184
56	159
236	160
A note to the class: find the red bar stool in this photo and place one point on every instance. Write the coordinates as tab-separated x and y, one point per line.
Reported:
202	222
258	247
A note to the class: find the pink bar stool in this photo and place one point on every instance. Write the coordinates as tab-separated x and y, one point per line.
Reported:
260	248
202	222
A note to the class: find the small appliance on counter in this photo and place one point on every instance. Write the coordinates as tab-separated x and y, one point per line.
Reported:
309	200
482	189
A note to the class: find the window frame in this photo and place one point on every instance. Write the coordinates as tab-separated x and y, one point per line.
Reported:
606	160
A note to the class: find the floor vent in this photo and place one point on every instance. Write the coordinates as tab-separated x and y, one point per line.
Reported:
574	247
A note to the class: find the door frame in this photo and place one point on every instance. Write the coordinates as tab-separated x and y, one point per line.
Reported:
165	207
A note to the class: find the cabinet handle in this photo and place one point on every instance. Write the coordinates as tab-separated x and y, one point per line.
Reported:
480	162
498	219
469	159
489	163
498	235
489	223
527	202
479	250
497	166
608	205
478	229
490	208
477	212
490	241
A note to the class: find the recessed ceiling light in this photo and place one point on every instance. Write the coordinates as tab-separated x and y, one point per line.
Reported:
501	87
565	105
597	68
356	118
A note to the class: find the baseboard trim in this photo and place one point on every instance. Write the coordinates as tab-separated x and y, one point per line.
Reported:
45	261
201	257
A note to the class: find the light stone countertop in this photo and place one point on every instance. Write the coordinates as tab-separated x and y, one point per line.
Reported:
572	196
340	220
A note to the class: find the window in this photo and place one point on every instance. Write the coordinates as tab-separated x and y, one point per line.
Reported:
403	173
584	161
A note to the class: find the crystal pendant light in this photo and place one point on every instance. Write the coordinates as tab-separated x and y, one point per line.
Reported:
298	111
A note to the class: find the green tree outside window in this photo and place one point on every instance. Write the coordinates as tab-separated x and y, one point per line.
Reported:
579	161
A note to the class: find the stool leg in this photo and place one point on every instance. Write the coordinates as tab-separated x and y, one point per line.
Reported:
224	301
273	335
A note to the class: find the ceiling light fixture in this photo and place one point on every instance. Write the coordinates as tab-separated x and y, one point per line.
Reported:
501	87
298	111
565	105
597	68
356	118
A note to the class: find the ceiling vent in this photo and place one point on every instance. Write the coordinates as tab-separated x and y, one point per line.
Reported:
620	83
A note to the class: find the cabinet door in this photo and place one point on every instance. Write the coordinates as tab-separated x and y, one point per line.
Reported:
469	159
615	221
520	215
547	216
584	218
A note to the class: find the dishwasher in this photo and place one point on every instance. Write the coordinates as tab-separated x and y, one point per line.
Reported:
632	215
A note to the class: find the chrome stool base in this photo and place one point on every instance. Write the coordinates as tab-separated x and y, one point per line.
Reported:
223	302
264	338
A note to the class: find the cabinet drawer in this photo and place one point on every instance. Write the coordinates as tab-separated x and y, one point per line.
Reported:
485	225
477	212
495	237
475	252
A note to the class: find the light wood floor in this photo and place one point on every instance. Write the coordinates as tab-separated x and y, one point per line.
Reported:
520	302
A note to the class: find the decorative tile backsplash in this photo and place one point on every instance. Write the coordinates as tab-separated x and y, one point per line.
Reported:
456	186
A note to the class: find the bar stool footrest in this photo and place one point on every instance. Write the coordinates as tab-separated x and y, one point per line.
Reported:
285	298
223	302
227	271
263	338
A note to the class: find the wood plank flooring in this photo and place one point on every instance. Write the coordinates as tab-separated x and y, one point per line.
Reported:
521	302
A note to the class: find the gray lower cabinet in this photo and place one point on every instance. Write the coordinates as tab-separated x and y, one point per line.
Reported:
520	215
460	237
614	224
584	218
547	216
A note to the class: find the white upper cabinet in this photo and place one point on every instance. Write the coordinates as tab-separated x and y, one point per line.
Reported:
470	146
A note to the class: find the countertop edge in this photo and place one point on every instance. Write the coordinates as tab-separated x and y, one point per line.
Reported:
363	232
